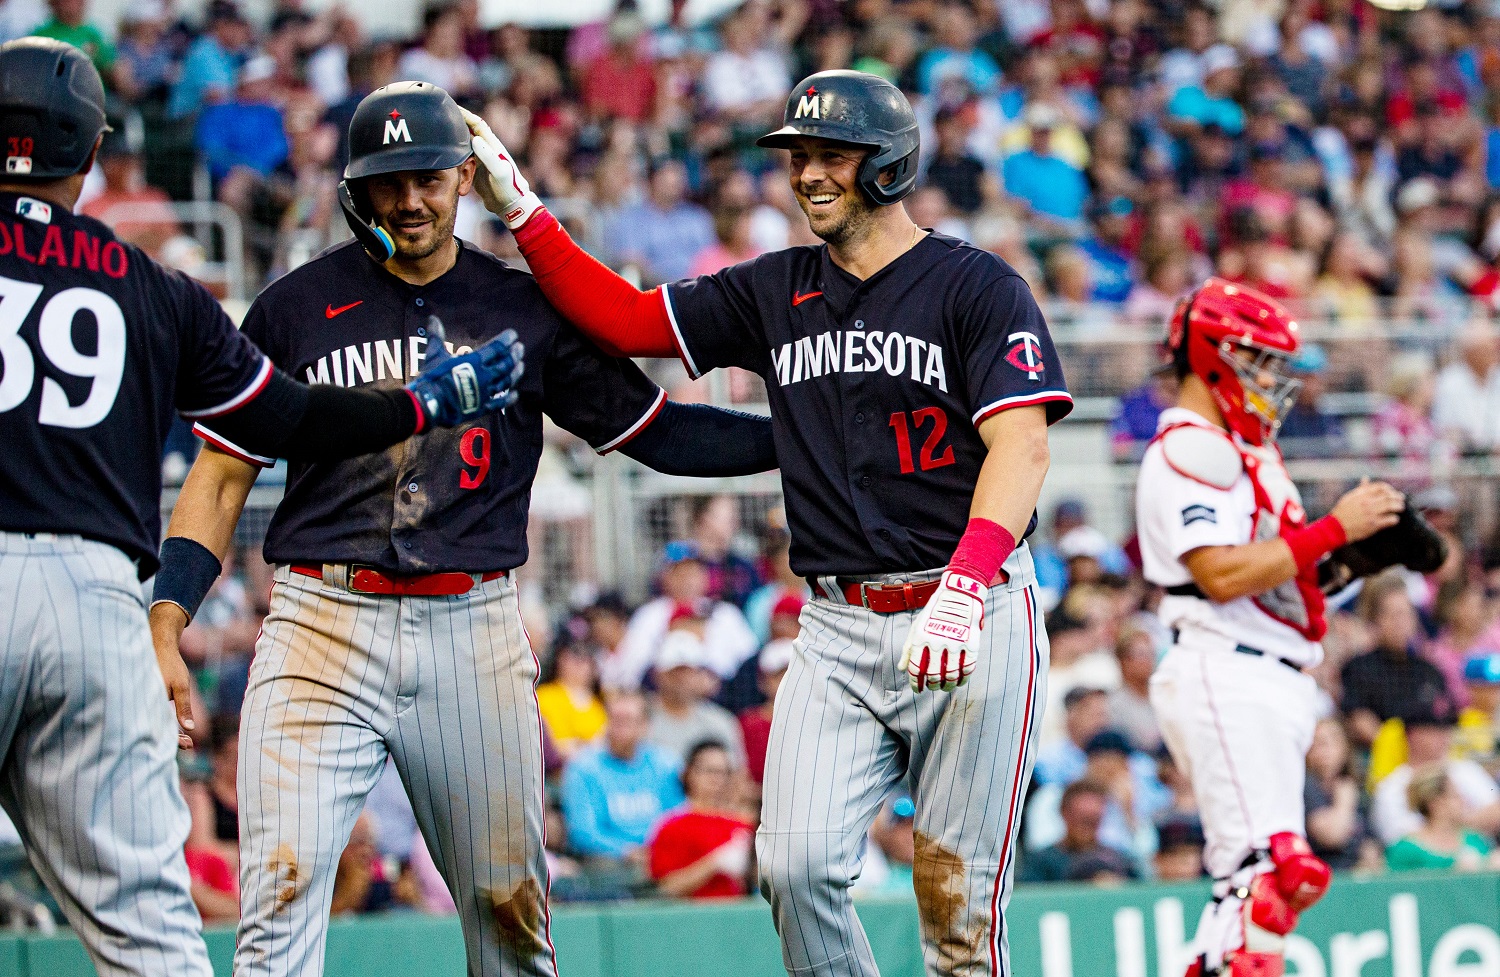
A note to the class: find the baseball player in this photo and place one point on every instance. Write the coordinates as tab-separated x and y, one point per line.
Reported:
98	346
1223	530
911	380
394	628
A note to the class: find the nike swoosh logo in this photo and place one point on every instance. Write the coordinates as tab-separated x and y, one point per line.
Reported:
330	312
799	299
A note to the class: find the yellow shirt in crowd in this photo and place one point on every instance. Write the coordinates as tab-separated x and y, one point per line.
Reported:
571	723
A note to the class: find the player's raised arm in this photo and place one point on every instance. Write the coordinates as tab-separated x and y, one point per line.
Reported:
709	442
622	319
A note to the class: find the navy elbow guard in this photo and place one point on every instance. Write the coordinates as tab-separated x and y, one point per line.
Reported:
188	571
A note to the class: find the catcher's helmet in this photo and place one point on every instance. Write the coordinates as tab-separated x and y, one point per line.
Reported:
1229	336
51	108
859	108
408	125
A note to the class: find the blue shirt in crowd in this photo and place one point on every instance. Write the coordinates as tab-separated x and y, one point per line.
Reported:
241	134
610	805
1050	185
1110	277
207	68
666	240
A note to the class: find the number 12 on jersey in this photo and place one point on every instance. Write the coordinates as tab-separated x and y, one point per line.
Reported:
929	457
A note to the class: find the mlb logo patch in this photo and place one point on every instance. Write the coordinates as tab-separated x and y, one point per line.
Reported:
18	165
36	210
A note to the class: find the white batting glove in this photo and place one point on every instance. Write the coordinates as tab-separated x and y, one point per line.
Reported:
940	648
505	192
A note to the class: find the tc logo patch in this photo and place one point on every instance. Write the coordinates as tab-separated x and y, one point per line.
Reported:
1199	513
1025	354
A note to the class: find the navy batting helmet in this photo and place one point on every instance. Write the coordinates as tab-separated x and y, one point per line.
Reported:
51	108
408	125
862	109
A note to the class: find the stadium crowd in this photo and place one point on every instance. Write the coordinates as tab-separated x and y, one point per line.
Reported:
1340	156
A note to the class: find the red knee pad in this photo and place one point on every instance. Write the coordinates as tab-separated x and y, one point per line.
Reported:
1267	908
1247	964
1301	876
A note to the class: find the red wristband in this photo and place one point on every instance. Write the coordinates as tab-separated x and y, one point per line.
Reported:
984	548
540	221
416	404
1313	542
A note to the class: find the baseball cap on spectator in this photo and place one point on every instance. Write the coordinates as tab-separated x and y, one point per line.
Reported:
776	656
625	27
1483	668
610	602
789	604
1220	57
685	611
1179	831
681	649
1107	741
680	551
1438	498
1040	115
1416	193
143	12
1062	621
1437	711
1312	358
258	68
222	10
1083	541
1070	511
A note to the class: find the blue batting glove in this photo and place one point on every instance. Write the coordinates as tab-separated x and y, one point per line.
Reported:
454	389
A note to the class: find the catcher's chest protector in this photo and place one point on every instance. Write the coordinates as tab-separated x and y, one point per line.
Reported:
1298	603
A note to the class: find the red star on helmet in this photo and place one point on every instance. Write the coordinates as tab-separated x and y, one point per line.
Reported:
811	90
395	114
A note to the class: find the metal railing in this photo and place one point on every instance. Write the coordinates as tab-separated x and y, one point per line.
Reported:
203	217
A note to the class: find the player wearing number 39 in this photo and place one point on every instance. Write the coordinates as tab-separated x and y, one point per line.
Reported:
1223	530
394	629
911	381
98	346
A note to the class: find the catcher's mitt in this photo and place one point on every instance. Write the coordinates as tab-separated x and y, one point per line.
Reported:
1411	542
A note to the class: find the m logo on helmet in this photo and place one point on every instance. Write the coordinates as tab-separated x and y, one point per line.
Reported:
396	131
809	106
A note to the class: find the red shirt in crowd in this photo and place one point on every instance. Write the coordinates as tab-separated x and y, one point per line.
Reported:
756	728
212	869
619	86
684	838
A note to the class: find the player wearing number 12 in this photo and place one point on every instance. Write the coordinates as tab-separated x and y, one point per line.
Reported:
394	628
911	382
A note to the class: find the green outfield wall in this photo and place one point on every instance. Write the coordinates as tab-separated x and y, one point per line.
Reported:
1395	926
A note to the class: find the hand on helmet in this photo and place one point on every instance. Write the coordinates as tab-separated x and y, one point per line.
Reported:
505	192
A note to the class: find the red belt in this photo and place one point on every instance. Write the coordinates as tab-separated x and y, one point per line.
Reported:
368	580
889	598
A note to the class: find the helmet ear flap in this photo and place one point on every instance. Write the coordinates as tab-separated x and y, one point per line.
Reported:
371	236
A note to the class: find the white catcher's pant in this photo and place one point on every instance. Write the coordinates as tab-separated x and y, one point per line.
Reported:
89	745
443	685
1240	727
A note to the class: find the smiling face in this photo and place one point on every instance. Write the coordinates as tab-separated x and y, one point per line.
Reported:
824	179
418	207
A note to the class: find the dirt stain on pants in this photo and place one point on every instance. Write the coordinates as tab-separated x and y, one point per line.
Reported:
941	883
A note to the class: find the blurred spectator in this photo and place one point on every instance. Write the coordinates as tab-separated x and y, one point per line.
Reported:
1082	661
359	883
243	140
748	78
681	713
224	757
1085	715
715	525
1130	705
1111	270
1443	839
440	59
138	213
784	582
613	794
1466	400
1134	423
1211	101
1429	739
1478	736
1392	680
1309	430
569	700
146	63
1179	850
1343	289
70	24
684	582
953	56
1136	798
961	176
734	244
606	620
703	851
755	722
1464	618
665	233
1050	186
212	63
211	863
1082	809
620	83
1403	428
1338	827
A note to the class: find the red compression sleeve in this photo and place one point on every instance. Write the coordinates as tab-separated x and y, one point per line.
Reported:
982	550
1313	542
622	319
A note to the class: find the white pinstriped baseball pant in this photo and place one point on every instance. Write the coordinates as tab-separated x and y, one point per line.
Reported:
847	729
445	686
89	746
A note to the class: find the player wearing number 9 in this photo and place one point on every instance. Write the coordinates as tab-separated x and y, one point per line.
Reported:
99	347
394	629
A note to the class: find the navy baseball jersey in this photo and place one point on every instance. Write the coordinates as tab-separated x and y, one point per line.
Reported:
446	499
877	388
98	346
